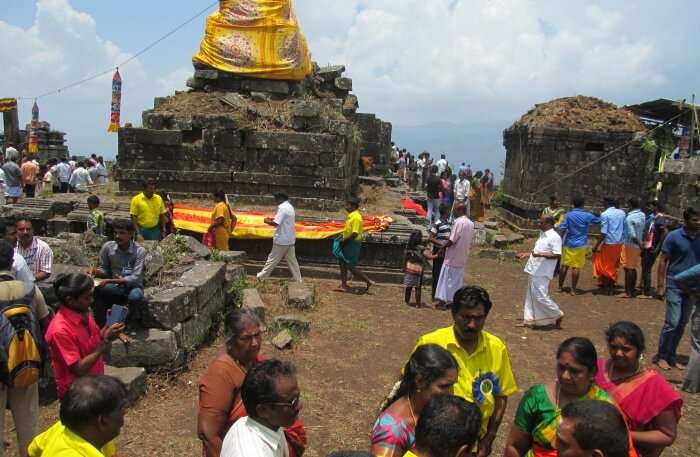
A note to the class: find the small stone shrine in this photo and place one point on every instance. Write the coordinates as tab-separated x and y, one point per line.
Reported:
595	139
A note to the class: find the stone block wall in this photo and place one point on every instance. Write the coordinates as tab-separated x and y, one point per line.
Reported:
178	318
253	137
252	163
539	156
681	186
376	141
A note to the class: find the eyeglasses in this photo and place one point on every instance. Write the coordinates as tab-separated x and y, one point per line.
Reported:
294	404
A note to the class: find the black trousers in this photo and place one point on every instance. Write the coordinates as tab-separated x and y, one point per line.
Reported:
648	259
29	190
437	267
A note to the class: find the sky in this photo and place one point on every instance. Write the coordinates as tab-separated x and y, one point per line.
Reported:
450	75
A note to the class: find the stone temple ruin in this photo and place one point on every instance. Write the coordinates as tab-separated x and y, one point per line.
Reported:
253	137
555	139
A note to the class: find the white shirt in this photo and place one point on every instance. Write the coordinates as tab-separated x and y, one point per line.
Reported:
549	242
80	179
442	165
21	271
248	438
285	233
462	187
63	172
421	165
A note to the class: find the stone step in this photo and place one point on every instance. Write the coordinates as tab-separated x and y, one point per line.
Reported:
133	377
301	296
327	271
253	302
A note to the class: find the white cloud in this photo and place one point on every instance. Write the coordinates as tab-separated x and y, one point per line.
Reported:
407	54
413	62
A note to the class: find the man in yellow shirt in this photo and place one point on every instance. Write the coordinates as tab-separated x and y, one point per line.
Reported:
485	375
347	247
91	417
148	213
448	427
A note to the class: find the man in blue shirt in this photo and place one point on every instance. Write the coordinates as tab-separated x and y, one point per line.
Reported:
575	230
680	252
606	253
631	253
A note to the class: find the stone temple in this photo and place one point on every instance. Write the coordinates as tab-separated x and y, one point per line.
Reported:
573	146
251	130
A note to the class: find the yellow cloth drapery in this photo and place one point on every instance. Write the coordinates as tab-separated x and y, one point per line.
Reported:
256	38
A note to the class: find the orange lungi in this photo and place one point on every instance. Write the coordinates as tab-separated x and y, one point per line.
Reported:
606	261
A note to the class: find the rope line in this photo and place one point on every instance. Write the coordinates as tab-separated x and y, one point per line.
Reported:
116	67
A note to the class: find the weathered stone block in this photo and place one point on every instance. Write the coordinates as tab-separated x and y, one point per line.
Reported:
215	121
236	101
234	272
351	105
301	296
233	256
148	136
206	74
149	348
133	377
305	158
207	278
331	72
259	97
343	83
168	308
266	85
282	340
253	302
307	108
298	324
302	141
193	332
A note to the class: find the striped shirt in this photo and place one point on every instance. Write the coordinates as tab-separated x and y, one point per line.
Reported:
441	231
38	256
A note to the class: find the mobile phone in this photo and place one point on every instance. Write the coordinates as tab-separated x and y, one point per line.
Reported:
117	315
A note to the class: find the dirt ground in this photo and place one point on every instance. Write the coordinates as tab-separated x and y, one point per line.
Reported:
355	349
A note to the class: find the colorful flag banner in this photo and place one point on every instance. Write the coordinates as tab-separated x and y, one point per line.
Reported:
33	147
116	103
251	224
7	104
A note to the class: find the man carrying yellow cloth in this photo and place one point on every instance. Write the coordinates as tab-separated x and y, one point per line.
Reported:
574	229
92	414
256	38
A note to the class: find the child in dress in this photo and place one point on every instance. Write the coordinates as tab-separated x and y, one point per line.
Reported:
414	263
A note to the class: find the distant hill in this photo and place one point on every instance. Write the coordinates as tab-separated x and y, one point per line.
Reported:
478	145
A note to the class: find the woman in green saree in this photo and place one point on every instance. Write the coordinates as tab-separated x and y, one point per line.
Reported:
539	412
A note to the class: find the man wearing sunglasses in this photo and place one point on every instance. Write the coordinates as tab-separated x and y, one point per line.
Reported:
272	398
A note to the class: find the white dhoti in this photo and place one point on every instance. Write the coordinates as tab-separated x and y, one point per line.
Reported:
278	253
540	309
451	280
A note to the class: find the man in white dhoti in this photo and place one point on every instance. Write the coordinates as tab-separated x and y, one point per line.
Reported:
456	255
540	309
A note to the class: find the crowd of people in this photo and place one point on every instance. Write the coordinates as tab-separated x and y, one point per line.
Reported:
453	391
475	190
21	175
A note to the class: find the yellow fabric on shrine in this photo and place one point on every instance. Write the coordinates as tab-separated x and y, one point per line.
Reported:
256	38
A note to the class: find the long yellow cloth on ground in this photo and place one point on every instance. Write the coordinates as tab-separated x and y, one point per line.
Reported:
257	38
250	225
